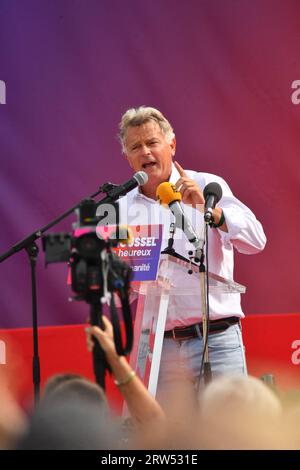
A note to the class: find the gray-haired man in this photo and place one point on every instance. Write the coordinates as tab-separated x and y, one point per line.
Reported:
149	144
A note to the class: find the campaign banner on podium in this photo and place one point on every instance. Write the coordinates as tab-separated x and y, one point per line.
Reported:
142	251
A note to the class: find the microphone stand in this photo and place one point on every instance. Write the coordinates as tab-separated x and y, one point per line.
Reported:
29	245
204	281
204	289
169	250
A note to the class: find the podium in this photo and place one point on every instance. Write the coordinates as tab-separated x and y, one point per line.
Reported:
152	307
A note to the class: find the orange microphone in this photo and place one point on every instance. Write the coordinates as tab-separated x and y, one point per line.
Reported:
168	195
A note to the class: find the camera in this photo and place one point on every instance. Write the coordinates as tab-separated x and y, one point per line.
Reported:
94	267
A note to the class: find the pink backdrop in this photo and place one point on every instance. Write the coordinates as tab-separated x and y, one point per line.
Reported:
221	70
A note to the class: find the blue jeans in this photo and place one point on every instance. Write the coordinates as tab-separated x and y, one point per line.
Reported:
183	358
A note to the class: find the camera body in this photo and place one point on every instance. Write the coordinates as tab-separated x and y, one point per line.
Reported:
94	267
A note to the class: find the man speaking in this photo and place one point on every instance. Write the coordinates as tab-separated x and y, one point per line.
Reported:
149	144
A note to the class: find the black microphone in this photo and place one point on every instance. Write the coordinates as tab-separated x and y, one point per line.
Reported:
212	194
139	179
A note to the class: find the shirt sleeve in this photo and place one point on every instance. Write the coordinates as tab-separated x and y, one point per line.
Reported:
245	232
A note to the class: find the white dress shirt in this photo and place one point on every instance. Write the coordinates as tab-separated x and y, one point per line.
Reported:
245	233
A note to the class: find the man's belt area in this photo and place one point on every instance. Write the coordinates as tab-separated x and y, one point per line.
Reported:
188	332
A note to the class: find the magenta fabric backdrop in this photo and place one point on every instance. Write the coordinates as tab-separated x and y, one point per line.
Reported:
221	71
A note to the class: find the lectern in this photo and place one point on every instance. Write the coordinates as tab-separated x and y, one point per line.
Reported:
152	308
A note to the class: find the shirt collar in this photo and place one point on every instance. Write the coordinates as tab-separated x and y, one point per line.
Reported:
136	192
174	175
